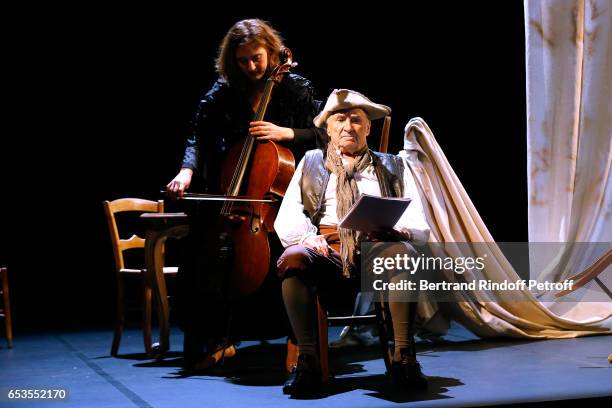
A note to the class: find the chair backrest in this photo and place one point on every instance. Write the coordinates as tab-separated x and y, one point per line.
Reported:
120	205
384	136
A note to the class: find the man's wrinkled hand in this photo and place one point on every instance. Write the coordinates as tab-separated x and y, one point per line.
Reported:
318	243
391	235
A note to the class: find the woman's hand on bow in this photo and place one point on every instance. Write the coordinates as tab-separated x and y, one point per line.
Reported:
176	188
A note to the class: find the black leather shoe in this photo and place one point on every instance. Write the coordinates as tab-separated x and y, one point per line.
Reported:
305	378
407	373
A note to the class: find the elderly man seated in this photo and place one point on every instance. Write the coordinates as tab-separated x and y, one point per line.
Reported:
319	257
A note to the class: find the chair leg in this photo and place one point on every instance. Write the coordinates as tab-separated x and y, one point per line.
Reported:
385	332
7	308
322	327
147	295
119	316
292	355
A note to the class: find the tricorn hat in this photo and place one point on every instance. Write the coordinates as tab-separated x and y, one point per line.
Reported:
341	99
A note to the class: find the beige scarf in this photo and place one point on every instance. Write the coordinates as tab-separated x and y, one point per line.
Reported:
347	193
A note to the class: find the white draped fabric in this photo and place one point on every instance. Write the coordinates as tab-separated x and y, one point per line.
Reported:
453	218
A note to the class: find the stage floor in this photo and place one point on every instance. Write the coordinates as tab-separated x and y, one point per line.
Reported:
463	371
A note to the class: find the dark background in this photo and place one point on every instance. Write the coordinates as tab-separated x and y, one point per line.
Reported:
100	101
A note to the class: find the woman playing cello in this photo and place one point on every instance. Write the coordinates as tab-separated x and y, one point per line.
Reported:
247	55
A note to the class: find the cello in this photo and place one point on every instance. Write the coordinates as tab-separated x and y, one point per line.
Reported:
254	176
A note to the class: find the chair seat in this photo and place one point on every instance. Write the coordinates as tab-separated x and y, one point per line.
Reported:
351	320
170	270
132	271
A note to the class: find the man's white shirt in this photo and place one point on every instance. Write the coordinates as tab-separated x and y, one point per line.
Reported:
293	226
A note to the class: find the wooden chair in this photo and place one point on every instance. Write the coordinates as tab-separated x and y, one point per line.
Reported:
382	318
160	227
121	245
5	309
324	321
589	274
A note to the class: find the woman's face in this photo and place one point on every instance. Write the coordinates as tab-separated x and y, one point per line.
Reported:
252	60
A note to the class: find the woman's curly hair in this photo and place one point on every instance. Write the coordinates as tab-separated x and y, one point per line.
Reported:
252	31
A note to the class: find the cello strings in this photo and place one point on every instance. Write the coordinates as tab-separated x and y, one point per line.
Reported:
246	151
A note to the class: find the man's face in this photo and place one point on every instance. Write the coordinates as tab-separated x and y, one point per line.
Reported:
348	130
252	60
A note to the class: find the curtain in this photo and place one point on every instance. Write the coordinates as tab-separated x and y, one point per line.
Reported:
569	131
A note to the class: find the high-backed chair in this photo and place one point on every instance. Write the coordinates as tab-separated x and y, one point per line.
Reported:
324	321
120	245
5	308
381	317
